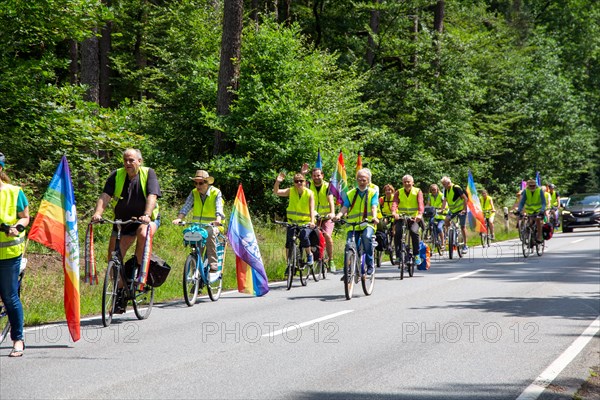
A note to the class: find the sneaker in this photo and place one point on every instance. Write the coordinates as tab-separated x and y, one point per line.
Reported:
214	276
370	270
492	237
465	249
418	260
309	259
331	266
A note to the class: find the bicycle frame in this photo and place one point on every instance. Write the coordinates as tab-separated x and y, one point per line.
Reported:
295	260
403	249
454	234
353	272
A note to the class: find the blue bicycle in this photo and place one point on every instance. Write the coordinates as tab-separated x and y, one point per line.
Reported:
196	271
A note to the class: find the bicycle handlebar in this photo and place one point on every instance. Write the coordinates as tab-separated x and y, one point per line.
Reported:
289	225
118	221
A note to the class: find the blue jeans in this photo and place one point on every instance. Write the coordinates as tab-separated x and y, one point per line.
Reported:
366	239
9	291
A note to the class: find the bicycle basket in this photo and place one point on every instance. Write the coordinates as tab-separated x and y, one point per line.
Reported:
428	212
195	235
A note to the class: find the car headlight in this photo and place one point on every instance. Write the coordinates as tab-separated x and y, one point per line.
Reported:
565	212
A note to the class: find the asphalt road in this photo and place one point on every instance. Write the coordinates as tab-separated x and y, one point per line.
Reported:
483	327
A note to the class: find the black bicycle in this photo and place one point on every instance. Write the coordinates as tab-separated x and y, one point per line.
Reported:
486	236
456	241
431	234
389	245
354	263
405	257
296	257
121	286
529	235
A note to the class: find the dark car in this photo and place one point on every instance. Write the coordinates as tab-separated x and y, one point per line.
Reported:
582	210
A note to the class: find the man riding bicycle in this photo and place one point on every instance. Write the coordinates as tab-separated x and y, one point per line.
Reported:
553	203
533	200
301	211
456	199
134	191
489	211
410	202
361	204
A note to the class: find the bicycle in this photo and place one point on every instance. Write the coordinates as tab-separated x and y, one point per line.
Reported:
485	236
322	262
389	232
4	322
403	249
196	270
118	288
431	234
353	270
296	258
456	241
529	235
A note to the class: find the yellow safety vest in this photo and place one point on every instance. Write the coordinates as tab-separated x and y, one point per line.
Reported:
10	246
408	203
298	209
553	200
386	206
120	182
436	202
205	211
455	206
360	208
533	201
321	200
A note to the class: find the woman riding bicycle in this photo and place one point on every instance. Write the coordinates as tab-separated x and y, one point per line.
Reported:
301	211
489	211
361	204
435	200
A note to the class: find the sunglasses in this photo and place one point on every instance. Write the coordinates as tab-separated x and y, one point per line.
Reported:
199	183
298	181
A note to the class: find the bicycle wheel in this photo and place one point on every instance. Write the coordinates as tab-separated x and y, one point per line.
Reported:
451	242
215	287
291	265
460	243
411	266
539	247
109	293
302	268
391	249
378	257
191	280
403	260
4	322
368	281
324	266
317	266
525	241
143	299
349	270
483	240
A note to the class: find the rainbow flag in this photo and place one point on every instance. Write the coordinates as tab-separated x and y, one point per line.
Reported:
338	184
358	162
319	162
474	213
55	226
251	276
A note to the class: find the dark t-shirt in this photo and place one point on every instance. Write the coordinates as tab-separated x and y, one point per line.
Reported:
458	192
133	201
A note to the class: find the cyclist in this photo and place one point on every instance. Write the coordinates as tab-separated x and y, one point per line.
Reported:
300	210
533	200
14	212
435	199
324	206
487	206
410	202
134	191
554	202
207	204
361	204
456	199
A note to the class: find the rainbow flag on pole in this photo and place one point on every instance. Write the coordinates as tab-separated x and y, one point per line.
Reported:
338	184
251	276
475	213
55	226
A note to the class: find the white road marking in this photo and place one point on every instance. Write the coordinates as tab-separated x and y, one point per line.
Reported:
467	274
534	390
577	241
307	323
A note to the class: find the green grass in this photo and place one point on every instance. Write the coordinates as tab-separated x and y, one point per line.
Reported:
43	283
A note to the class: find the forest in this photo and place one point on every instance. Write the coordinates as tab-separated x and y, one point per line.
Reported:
245	89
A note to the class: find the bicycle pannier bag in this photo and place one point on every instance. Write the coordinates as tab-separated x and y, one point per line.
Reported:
547	231
425	254
158	271
381	238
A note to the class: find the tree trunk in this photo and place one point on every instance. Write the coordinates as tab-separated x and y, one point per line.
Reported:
229	68
90	67
438	30
374	25
317	10
74	64
414	58
105	45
